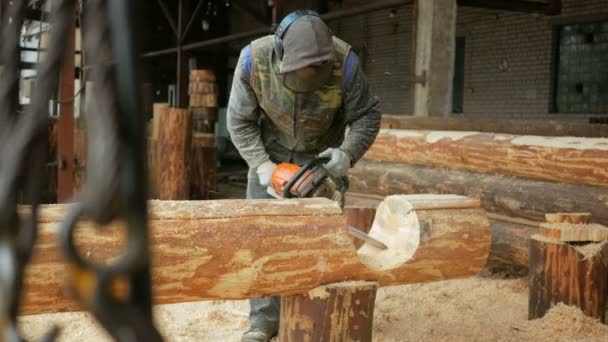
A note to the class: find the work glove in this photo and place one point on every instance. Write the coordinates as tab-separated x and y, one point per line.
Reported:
339	161
264	172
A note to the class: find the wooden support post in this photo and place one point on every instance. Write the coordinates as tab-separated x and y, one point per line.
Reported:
175	141
335	312
159	109
435	39
569	272
65	138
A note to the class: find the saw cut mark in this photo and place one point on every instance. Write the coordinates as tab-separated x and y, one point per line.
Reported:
397	226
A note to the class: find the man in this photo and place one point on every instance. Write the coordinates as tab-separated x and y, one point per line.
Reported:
297	94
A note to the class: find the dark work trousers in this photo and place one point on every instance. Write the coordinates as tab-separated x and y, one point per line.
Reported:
264	313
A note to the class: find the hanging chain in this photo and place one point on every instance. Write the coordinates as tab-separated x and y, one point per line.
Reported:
115	187
23	148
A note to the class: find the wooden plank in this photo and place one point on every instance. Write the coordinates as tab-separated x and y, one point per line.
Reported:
518	127
569	232
561	159
511	196
235	249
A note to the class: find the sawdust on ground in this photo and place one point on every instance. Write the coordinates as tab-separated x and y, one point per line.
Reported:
475	309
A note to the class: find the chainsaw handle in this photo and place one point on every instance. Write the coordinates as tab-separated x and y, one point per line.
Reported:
306	167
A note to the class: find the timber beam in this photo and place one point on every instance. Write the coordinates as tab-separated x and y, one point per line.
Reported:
236	249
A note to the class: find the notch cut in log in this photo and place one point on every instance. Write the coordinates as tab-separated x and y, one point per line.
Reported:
510	237
511	196
562	159
334	312
236	249
571	274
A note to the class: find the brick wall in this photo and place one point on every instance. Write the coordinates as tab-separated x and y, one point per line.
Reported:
508	56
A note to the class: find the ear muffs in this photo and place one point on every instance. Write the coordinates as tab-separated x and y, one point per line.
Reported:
284	25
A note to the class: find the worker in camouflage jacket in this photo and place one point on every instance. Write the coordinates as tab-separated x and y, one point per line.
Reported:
297	94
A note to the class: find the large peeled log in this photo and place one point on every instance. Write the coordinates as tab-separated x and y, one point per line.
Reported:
512	196
235	249
563	159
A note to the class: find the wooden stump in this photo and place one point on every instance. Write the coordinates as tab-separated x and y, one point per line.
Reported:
175	145
565	267
203	171
335	312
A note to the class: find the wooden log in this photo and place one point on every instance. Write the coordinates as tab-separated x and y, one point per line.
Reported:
510	236
202	75
574	218
235	249
334	312
561	159
175	148
203	176
511	196
202	87
552	128
571	274
203	100
203	119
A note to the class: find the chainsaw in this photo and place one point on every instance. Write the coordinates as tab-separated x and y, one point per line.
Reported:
306	181
313	180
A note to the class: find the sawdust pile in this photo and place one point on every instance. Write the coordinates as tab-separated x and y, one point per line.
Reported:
475	309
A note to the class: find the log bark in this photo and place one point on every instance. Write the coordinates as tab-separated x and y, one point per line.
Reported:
561	159
203	175
512	196
235	249
175	145
572	274
520	127
330	313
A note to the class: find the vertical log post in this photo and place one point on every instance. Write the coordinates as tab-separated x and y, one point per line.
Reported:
572	271
158	110
335	312
203	174
175	142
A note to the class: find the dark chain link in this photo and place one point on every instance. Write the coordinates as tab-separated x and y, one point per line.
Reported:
23	148
115	188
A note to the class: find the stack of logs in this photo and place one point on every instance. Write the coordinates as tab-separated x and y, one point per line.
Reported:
203	92
518	178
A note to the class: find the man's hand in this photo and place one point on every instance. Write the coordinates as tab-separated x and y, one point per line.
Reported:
339	161
264	172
